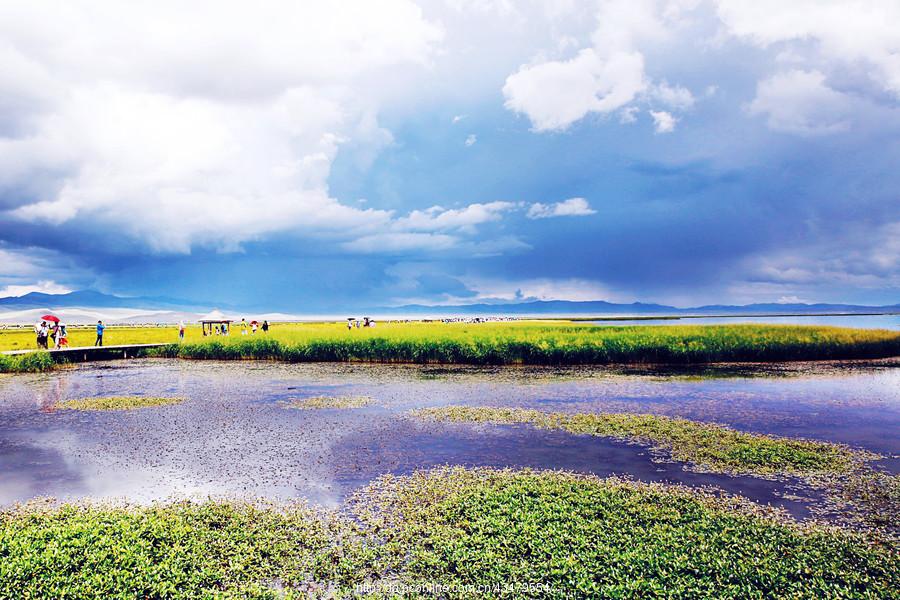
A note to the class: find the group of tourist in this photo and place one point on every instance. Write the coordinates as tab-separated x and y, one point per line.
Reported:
366	322
55	332
224	328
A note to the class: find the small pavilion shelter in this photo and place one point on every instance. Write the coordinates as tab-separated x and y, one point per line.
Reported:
214	318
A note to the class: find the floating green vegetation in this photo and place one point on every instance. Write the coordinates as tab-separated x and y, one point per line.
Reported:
708	446
320	402
117	402
547	343
181	550
570	536
467	533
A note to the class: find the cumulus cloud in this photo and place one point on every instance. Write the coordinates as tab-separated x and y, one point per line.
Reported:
181	126
600	79
471	139
801	102
573	207
663	121
844	31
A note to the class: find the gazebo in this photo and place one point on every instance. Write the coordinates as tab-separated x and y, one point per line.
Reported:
213	318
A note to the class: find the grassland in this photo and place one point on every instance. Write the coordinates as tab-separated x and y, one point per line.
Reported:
532	343
117	403
327	402
509	534
707	446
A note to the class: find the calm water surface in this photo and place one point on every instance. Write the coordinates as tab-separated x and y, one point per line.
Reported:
860	321
235	436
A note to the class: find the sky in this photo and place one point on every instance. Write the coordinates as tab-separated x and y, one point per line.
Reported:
308	156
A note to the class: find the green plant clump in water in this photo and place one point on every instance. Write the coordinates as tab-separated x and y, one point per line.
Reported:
475	533
709	446
571	536
117	402
320	402
177	551
34	362
545	343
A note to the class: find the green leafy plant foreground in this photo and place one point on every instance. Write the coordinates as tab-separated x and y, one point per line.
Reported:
709	446
466	533
117	402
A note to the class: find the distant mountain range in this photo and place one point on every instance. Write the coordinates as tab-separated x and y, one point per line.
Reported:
600	307
98	300
92	299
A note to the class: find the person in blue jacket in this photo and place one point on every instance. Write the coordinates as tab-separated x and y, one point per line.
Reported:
100	328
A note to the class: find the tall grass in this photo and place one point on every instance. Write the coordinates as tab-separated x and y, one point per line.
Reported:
548	344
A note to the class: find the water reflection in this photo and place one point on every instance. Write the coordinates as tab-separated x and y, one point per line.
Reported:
233	436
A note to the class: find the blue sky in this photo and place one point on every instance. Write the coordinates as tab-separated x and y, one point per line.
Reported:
307	158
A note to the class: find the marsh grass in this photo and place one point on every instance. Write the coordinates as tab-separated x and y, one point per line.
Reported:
117	402
547	343
326	402
569	536
707	446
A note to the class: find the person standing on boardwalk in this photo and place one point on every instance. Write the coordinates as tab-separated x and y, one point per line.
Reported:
42	332
100	328
62	336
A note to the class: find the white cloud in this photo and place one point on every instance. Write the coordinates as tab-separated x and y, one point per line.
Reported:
676	97
574	289
801	102
600	79
605	77
195	125
471	139
458	118
854	32
556	94
663	121
573	207
628	114
438	218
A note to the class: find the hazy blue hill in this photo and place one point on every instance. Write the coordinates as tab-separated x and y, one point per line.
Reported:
94	299
89	298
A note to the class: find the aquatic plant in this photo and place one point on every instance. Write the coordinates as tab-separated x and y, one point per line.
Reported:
468	533
707	446
34	362
183	550
117	402
571	536
320	402
549	344
525	342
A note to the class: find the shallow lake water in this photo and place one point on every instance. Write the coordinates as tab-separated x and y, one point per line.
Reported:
235	436
888	321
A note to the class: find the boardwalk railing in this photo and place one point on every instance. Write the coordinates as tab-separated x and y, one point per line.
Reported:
89	353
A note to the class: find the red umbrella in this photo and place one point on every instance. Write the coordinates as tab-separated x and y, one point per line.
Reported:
50	318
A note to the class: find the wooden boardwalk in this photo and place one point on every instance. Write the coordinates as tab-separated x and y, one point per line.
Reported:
90	353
